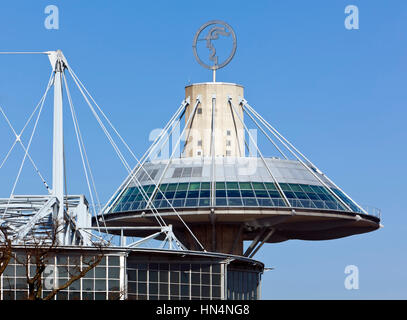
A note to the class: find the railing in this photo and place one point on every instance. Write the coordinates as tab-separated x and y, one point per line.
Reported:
250	202
373	211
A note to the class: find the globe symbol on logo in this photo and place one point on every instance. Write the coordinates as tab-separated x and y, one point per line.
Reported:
208	33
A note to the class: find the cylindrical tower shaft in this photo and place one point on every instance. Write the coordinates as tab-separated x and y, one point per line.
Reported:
216	127
228	239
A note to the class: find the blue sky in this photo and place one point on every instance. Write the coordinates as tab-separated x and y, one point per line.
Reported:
339	95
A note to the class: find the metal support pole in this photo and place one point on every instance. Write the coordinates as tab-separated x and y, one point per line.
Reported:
265	133
254	243
164	133
281	192
122	239
271	232
281	138
58	147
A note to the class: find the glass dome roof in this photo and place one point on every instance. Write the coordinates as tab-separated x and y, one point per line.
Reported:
233	182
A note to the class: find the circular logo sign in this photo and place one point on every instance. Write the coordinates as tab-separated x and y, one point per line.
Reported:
206	36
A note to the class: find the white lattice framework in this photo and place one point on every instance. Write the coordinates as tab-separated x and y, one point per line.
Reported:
28	216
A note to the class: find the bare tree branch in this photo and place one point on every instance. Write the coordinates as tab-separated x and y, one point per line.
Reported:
5	250
39	250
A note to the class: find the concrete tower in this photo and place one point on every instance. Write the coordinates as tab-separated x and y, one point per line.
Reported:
215	196
214	126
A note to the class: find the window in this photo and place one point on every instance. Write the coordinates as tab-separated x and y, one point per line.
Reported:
186	172
199	143
228	132
199	111
101	283
146	175
198	153
234	194
177	173
176	281
197	171
242	285
228	153
228	143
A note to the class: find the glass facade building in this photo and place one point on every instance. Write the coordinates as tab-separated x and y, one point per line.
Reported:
138	274
244	198
100	283
175	281
193	277
232	194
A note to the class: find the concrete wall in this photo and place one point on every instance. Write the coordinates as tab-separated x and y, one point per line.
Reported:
228	129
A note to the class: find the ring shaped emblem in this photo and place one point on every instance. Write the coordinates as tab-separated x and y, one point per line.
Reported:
213	34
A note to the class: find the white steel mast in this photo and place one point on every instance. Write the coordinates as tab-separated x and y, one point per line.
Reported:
59	64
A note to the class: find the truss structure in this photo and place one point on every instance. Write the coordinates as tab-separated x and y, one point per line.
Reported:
34	216
28	218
